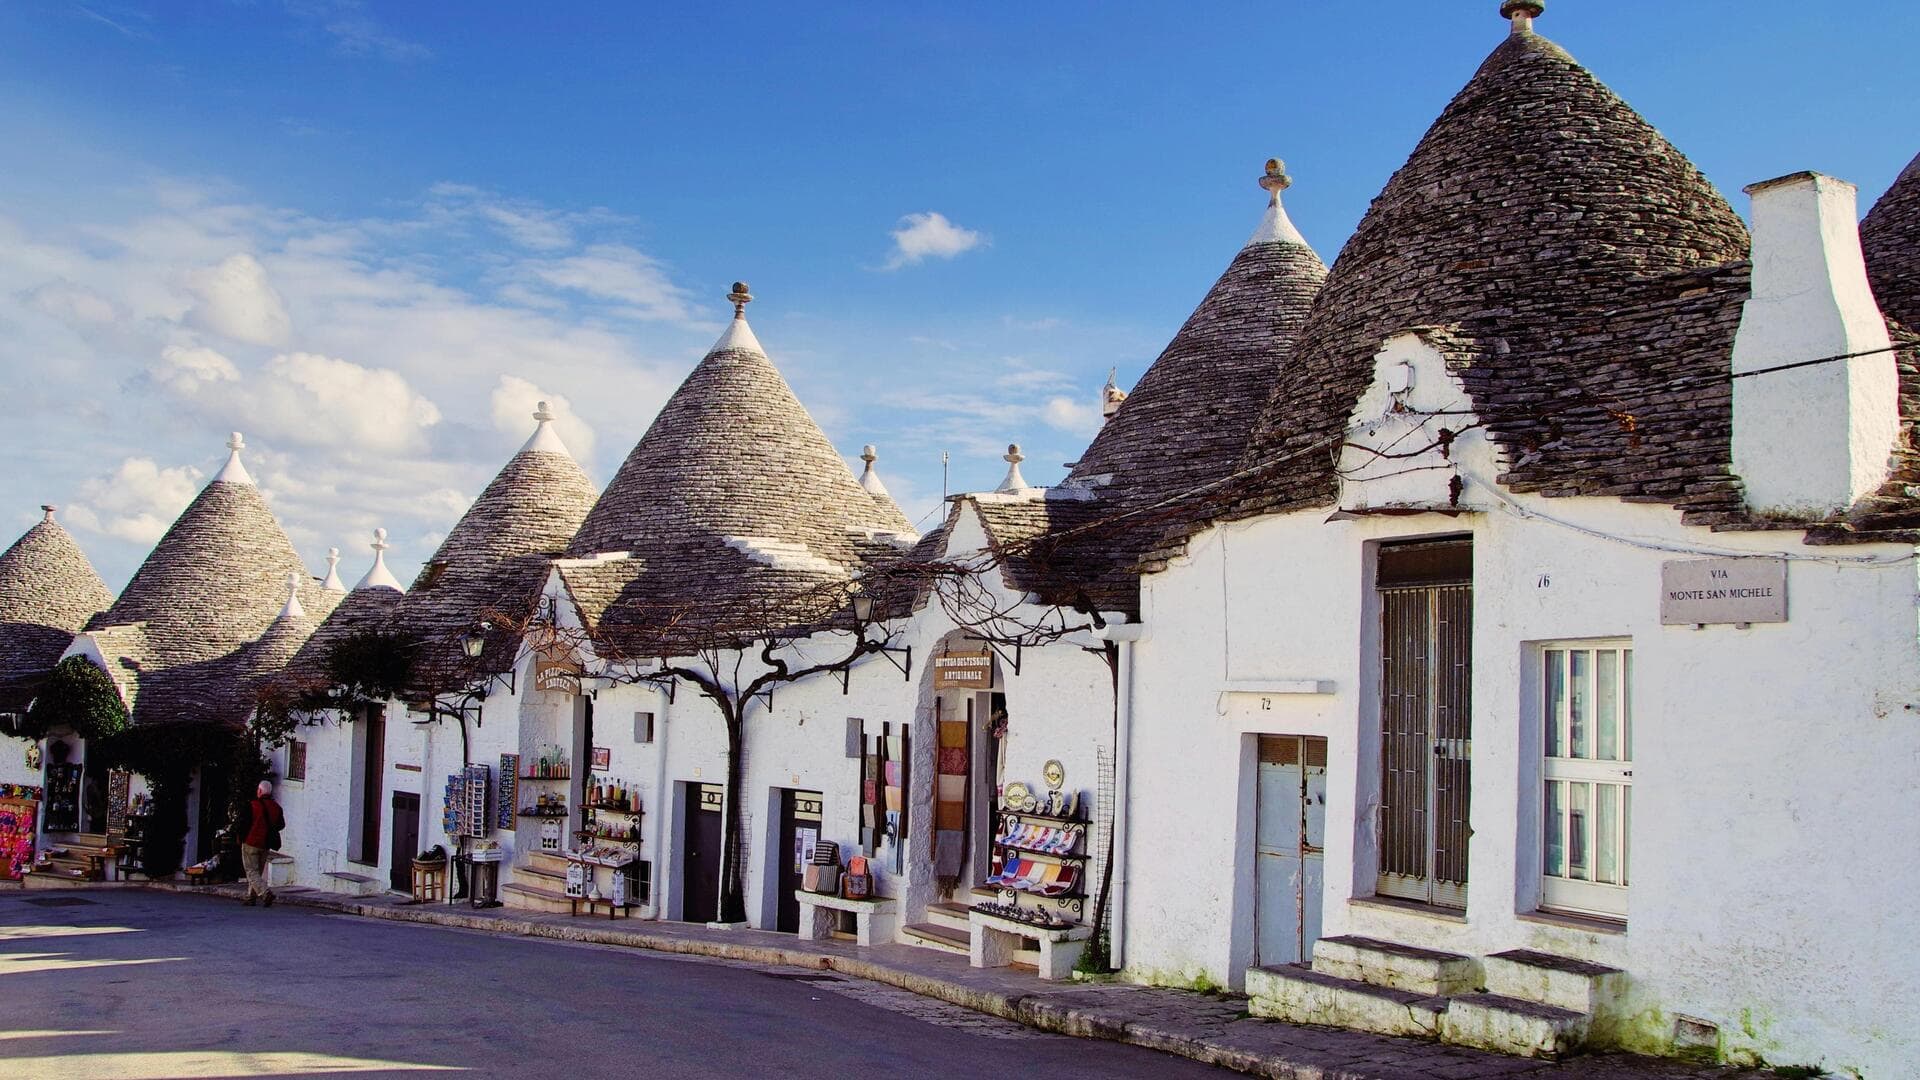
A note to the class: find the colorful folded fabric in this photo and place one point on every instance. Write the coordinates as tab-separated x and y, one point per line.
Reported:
949	815
868	791
952	789
896	747
867	816
893	801
953	733
893	774
948	848
953	759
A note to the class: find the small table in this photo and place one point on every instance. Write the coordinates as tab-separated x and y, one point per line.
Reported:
996	941
873	919
429	881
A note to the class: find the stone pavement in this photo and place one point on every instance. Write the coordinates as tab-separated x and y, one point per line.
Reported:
1210	1028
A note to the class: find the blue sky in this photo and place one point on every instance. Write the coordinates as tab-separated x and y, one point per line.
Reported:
370	235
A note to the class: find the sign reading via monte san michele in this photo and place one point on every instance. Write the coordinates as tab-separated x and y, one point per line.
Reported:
1694	591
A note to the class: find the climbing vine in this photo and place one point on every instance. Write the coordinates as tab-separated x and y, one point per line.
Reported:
76	695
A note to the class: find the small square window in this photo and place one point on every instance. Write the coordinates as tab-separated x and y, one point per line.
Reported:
296	760
643	727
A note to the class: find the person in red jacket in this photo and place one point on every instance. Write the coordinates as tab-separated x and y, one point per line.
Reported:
260	834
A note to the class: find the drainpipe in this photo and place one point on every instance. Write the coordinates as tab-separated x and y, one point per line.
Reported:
660	804
1126	635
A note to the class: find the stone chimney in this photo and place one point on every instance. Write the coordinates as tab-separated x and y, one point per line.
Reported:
1811	441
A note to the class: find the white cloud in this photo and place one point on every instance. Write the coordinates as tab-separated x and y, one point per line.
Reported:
136	502
72	304
1069	415
185	370
636	282
930	236
514	400
322	401
237	301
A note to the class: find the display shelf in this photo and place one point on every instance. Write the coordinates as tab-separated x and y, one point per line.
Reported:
555	779
612	808
544	813
1065	855
1035	815
612	838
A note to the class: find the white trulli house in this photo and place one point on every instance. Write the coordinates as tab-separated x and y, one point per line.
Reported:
1547	675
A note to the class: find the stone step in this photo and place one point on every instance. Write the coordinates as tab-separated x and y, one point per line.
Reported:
940	938
346	881
531	874
1512	1026
534	898
1399	967
950	915
1560	981
1301	995
547	862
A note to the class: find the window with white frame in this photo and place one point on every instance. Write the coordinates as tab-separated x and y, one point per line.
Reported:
1587	776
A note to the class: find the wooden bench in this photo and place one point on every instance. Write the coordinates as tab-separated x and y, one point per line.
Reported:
996	943
873	920
614	911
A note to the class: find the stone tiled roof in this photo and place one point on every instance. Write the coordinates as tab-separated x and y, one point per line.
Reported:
495	560
361	611
1187	420
48	591
1584	267
208	592
1890	237
1184	425
732	497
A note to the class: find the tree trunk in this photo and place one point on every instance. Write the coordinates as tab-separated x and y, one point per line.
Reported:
733	885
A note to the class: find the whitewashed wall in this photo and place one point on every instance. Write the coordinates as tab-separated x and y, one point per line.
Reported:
1773	774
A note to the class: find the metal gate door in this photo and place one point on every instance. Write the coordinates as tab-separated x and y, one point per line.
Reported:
1289	843
1426	748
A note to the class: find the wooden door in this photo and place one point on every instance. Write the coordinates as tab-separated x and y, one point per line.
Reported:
372	778
1290	846
700	854
799	829
406	840
1426	745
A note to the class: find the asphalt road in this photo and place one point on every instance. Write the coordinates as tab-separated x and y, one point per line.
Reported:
132	985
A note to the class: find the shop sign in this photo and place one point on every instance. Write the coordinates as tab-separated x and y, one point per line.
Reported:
1695	591
558	675
963	671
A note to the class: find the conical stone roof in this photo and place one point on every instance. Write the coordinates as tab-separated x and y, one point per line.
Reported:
1890	237
733	488
1576	266
213	585
492	564
48	591
1186	421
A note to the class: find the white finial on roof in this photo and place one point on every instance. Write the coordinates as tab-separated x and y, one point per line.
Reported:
234	472
1275	226
378	576
868	478
48	508
544	437
1014	481
293	610
1522	12
738	334
1111	395
333	582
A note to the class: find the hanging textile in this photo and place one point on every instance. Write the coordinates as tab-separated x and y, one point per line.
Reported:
950	797
16	837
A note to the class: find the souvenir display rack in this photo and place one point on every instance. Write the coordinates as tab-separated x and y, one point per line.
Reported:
1040	856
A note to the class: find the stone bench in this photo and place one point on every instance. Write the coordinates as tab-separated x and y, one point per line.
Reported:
873	920
996	943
